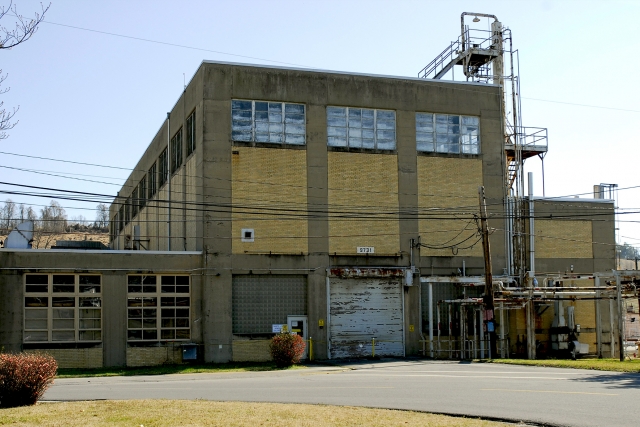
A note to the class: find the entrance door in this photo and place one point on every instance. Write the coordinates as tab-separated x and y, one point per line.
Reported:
298	325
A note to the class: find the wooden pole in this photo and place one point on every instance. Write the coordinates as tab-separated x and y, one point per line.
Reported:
488	281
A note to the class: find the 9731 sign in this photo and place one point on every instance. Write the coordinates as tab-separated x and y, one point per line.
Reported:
365	250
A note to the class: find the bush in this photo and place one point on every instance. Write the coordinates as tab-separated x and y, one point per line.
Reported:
287	349
24	378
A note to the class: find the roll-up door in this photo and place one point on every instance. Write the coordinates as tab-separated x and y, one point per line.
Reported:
362	309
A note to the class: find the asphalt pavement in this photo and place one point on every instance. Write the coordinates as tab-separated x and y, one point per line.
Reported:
548	396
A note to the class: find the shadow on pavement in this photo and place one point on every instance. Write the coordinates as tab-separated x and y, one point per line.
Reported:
612	380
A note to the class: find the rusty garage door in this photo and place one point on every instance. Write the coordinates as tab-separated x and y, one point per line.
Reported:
361	309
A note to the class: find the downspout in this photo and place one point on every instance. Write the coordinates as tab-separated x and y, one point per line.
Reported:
168	182
431	320
532	258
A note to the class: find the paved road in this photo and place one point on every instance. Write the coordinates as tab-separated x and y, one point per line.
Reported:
567	397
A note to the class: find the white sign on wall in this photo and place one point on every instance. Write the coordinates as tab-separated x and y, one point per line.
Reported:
365	249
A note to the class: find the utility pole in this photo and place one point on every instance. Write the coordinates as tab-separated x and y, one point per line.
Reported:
488	275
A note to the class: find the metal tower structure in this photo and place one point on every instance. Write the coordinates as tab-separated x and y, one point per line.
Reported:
484	55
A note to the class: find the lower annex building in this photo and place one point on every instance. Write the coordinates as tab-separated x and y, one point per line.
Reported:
312	199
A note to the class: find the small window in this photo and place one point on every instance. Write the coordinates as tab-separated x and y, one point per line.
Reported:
361	128
191	133
247	235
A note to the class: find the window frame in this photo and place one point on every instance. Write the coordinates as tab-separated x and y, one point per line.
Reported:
438	139
333	131
257	124
163	170
51	310
176	151
157	299
142	193
191	133
153	181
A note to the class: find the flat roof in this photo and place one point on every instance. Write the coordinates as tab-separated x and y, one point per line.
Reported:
101	251
318	70
571	200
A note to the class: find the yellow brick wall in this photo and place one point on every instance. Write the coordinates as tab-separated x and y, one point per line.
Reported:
269	178
151	356
251	350
363	182
161	221
448	188
563	239
75	357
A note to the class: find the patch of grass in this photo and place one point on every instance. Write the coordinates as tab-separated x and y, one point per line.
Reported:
171	369
595	364
159	413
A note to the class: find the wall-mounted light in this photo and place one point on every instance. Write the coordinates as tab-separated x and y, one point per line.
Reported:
476	19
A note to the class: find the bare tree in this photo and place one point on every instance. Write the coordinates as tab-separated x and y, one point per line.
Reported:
8	216
102	216
9	38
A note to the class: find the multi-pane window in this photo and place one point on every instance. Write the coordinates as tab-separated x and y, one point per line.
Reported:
121	216
158	308
447	133
163	165
361	128
142	192
127	211
191	133
176	151
152	181
135	204
61	308
275	122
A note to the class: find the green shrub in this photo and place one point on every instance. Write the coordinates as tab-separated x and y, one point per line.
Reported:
287	349
24	378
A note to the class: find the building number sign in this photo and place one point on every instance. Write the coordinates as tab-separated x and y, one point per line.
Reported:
365	250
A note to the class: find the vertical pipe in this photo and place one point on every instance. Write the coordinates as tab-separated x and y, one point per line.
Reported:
439	327
532	257
598	320
464	268
612	341
404	324
475	334
462	331
502	329
481	331
431	320
450	332
328	326
620	320
168	181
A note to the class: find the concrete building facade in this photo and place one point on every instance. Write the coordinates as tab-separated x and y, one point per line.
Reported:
304	198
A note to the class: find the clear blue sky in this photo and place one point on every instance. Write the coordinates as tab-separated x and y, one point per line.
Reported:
92	97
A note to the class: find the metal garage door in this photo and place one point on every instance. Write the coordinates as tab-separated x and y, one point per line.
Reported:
363	309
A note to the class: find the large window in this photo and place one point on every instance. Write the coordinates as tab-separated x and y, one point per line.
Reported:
191	133
134	202
62	308
275	122
446	133
361	128
176	151
163	165
158	308
152	180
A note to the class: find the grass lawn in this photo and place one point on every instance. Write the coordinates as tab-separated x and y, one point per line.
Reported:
159	413
596	364
171	369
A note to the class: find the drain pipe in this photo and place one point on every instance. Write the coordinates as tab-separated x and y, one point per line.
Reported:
532	258
168	181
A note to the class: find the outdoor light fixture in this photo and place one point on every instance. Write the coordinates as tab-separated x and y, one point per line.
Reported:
476	19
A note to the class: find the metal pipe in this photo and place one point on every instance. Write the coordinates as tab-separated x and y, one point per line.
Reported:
598	321
431	320
532	257
328	331
620	321
450	333
612	345
439	325
501	329
168	182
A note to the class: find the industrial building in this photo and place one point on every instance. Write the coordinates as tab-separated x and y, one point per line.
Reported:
342	206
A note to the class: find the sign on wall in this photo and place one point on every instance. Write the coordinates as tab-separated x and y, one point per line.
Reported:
365	249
